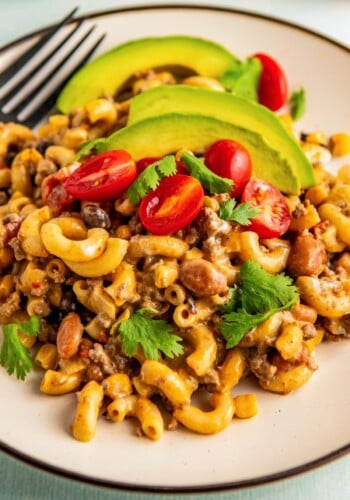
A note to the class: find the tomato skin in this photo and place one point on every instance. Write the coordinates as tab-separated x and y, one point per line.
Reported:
142	164
274	217
103	177
175	203
230	159
52	191
273	86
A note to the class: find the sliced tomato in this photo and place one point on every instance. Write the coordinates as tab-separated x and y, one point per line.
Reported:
142	164
103	177
273	87
274	216
172	205
52	191
230	159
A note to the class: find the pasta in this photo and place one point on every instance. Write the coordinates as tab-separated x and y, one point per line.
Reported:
88	267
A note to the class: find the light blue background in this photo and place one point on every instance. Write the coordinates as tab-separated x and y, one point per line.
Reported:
21	481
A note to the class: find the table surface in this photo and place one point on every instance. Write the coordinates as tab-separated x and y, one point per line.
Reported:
21	481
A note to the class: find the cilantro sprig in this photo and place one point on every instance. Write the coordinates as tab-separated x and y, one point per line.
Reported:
258	296
241	213
88	146
297	102
150	178
243	77
153	335
14	356
210	181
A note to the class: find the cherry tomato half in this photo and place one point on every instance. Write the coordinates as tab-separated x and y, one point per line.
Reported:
274	217
172	205
230	159
142	164
52	191
103	177
273	87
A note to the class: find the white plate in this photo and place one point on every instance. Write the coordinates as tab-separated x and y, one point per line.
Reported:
291	433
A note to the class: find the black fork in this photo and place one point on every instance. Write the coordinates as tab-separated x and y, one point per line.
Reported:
26	102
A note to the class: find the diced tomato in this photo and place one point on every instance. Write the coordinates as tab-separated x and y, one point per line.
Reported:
231	160
103	177
274	216
172	205
273	87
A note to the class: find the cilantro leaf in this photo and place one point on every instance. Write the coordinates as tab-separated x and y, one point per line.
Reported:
210	181
297	103
241	213
258	296
150	178
88	146
262	291
14	356
153	335
232	302
237	324
243	78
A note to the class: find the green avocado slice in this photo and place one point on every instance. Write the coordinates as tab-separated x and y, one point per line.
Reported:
230	108
167	133
105	75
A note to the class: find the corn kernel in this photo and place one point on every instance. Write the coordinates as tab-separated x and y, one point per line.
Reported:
340	144
246	405
123	232
211	203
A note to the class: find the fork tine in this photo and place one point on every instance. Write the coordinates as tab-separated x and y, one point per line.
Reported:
41	64
47	105
35	91
26	56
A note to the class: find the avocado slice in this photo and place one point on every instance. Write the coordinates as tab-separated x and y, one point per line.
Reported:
105	75
160	135
230	108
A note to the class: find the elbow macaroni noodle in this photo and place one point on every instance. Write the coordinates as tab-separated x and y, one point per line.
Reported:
54	263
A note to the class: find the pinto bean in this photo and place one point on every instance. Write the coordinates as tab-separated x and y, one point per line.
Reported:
69	335
202	278
307	256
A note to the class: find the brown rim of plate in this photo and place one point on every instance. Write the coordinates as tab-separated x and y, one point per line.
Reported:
212	488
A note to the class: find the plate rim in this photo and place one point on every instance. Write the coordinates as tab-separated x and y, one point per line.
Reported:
42	466
212	488
187	6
